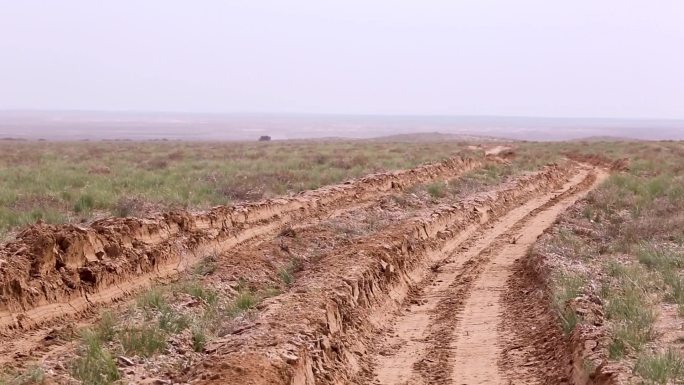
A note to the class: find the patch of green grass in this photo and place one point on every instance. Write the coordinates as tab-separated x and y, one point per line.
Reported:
629	309
143	341
437	190
94	365
286	275
79	177
661	368
84	204
659	258
244	301
676	284
567	286
287	272
153	299
197	290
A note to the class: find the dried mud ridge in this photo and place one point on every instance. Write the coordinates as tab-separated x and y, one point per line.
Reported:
392	308
50	271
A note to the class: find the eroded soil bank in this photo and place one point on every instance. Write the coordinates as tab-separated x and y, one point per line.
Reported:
50	271
388	289
342	322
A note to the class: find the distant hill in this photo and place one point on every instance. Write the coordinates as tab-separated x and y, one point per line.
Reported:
430	137
93	125
606	139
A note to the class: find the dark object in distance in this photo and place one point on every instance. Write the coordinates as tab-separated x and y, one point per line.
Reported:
264	138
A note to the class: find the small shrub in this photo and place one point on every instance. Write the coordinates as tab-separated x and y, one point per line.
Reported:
144	341
126	207
662	368
94	365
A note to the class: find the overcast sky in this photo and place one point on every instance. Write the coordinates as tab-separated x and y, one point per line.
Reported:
573	58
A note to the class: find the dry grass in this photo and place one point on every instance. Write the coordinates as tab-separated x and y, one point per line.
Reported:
74	182
628	237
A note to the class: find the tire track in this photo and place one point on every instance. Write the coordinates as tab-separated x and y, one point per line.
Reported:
53	271
322	330
448	335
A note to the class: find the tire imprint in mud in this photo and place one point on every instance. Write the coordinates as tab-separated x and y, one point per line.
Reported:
479	344
427	356
54	271
320	330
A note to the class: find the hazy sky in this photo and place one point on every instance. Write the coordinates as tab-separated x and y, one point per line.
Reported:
577	58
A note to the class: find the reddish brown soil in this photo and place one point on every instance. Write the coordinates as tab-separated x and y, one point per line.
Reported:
421	294
329	328
49	271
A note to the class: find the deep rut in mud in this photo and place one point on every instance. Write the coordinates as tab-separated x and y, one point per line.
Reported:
451	331
51	271
421	298
325	330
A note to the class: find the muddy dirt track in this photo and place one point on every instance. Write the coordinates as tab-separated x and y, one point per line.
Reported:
418	303
427	296
54	270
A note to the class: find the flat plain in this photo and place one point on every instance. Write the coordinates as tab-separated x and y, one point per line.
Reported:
342	262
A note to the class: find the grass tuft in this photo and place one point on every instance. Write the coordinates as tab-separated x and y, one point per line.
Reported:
437	190
144	341
206	266
661	368
199	338
153	299
172	322
32	376
105	329
84	204
94	365
628	306
568	286
287	272
244	301
197	290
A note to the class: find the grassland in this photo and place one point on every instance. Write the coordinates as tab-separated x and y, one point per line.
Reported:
625	246
77	181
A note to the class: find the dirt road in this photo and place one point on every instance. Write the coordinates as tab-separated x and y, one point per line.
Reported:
420	296
451	331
